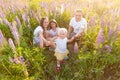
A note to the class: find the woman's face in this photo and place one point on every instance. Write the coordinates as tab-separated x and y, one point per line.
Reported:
53	25
45	23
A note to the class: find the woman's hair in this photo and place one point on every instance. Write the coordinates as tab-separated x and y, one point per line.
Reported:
53	21
42	21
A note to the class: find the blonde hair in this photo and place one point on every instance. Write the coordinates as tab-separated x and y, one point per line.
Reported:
78	10
63	30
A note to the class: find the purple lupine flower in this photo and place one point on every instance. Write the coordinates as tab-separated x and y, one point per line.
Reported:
75	47
44	5
2	14
18	21
117	28
110	33
92	21
1	38
11	44
116	31
1	22
28	64
11	59
35	16
31	13
6	22
24	17
38	13
15	33
16	61
21	59
107	48
100	37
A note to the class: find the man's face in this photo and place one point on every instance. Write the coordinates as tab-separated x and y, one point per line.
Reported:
78	15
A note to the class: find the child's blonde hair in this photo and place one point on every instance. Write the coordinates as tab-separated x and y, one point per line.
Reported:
63	30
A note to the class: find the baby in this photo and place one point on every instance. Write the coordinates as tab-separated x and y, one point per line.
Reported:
61	51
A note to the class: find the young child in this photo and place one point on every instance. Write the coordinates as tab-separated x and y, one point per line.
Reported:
61	51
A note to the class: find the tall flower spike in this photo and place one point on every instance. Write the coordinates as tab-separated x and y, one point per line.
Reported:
15	33
99	38
11	44
1	39
24	17
110	33
75	47
6	22
117	28
18	21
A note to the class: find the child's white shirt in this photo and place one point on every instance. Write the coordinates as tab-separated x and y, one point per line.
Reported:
61	45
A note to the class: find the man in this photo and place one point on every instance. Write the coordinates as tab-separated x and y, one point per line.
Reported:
78	24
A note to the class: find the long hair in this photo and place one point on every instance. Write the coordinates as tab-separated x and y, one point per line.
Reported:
42	21
52	21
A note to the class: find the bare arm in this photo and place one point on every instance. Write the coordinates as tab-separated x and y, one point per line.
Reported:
81	30
70	40
41	36
69	30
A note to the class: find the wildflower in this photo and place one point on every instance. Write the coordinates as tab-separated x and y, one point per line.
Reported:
24	17
11	44
21	59
1	22
1	38
99	38
18	21
107	48
15	33
117	29
75	47
11	59
110	33
6	22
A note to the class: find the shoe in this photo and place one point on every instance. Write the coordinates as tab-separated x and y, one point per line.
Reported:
66	57
58	69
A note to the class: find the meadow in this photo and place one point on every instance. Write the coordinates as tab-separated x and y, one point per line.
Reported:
99	51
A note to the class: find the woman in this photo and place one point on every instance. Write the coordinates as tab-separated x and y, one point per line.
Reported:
40	34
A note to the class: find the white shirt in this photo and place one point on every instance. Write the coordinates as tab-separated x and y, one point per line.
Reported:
53	33
61	45
78	25
37	30
36	38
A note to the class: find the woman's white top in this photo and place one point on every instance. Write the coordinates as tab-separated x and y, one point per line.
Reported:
36	38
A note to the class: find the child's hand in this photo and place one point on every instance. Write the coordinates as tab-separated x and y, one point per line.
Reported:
48	43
